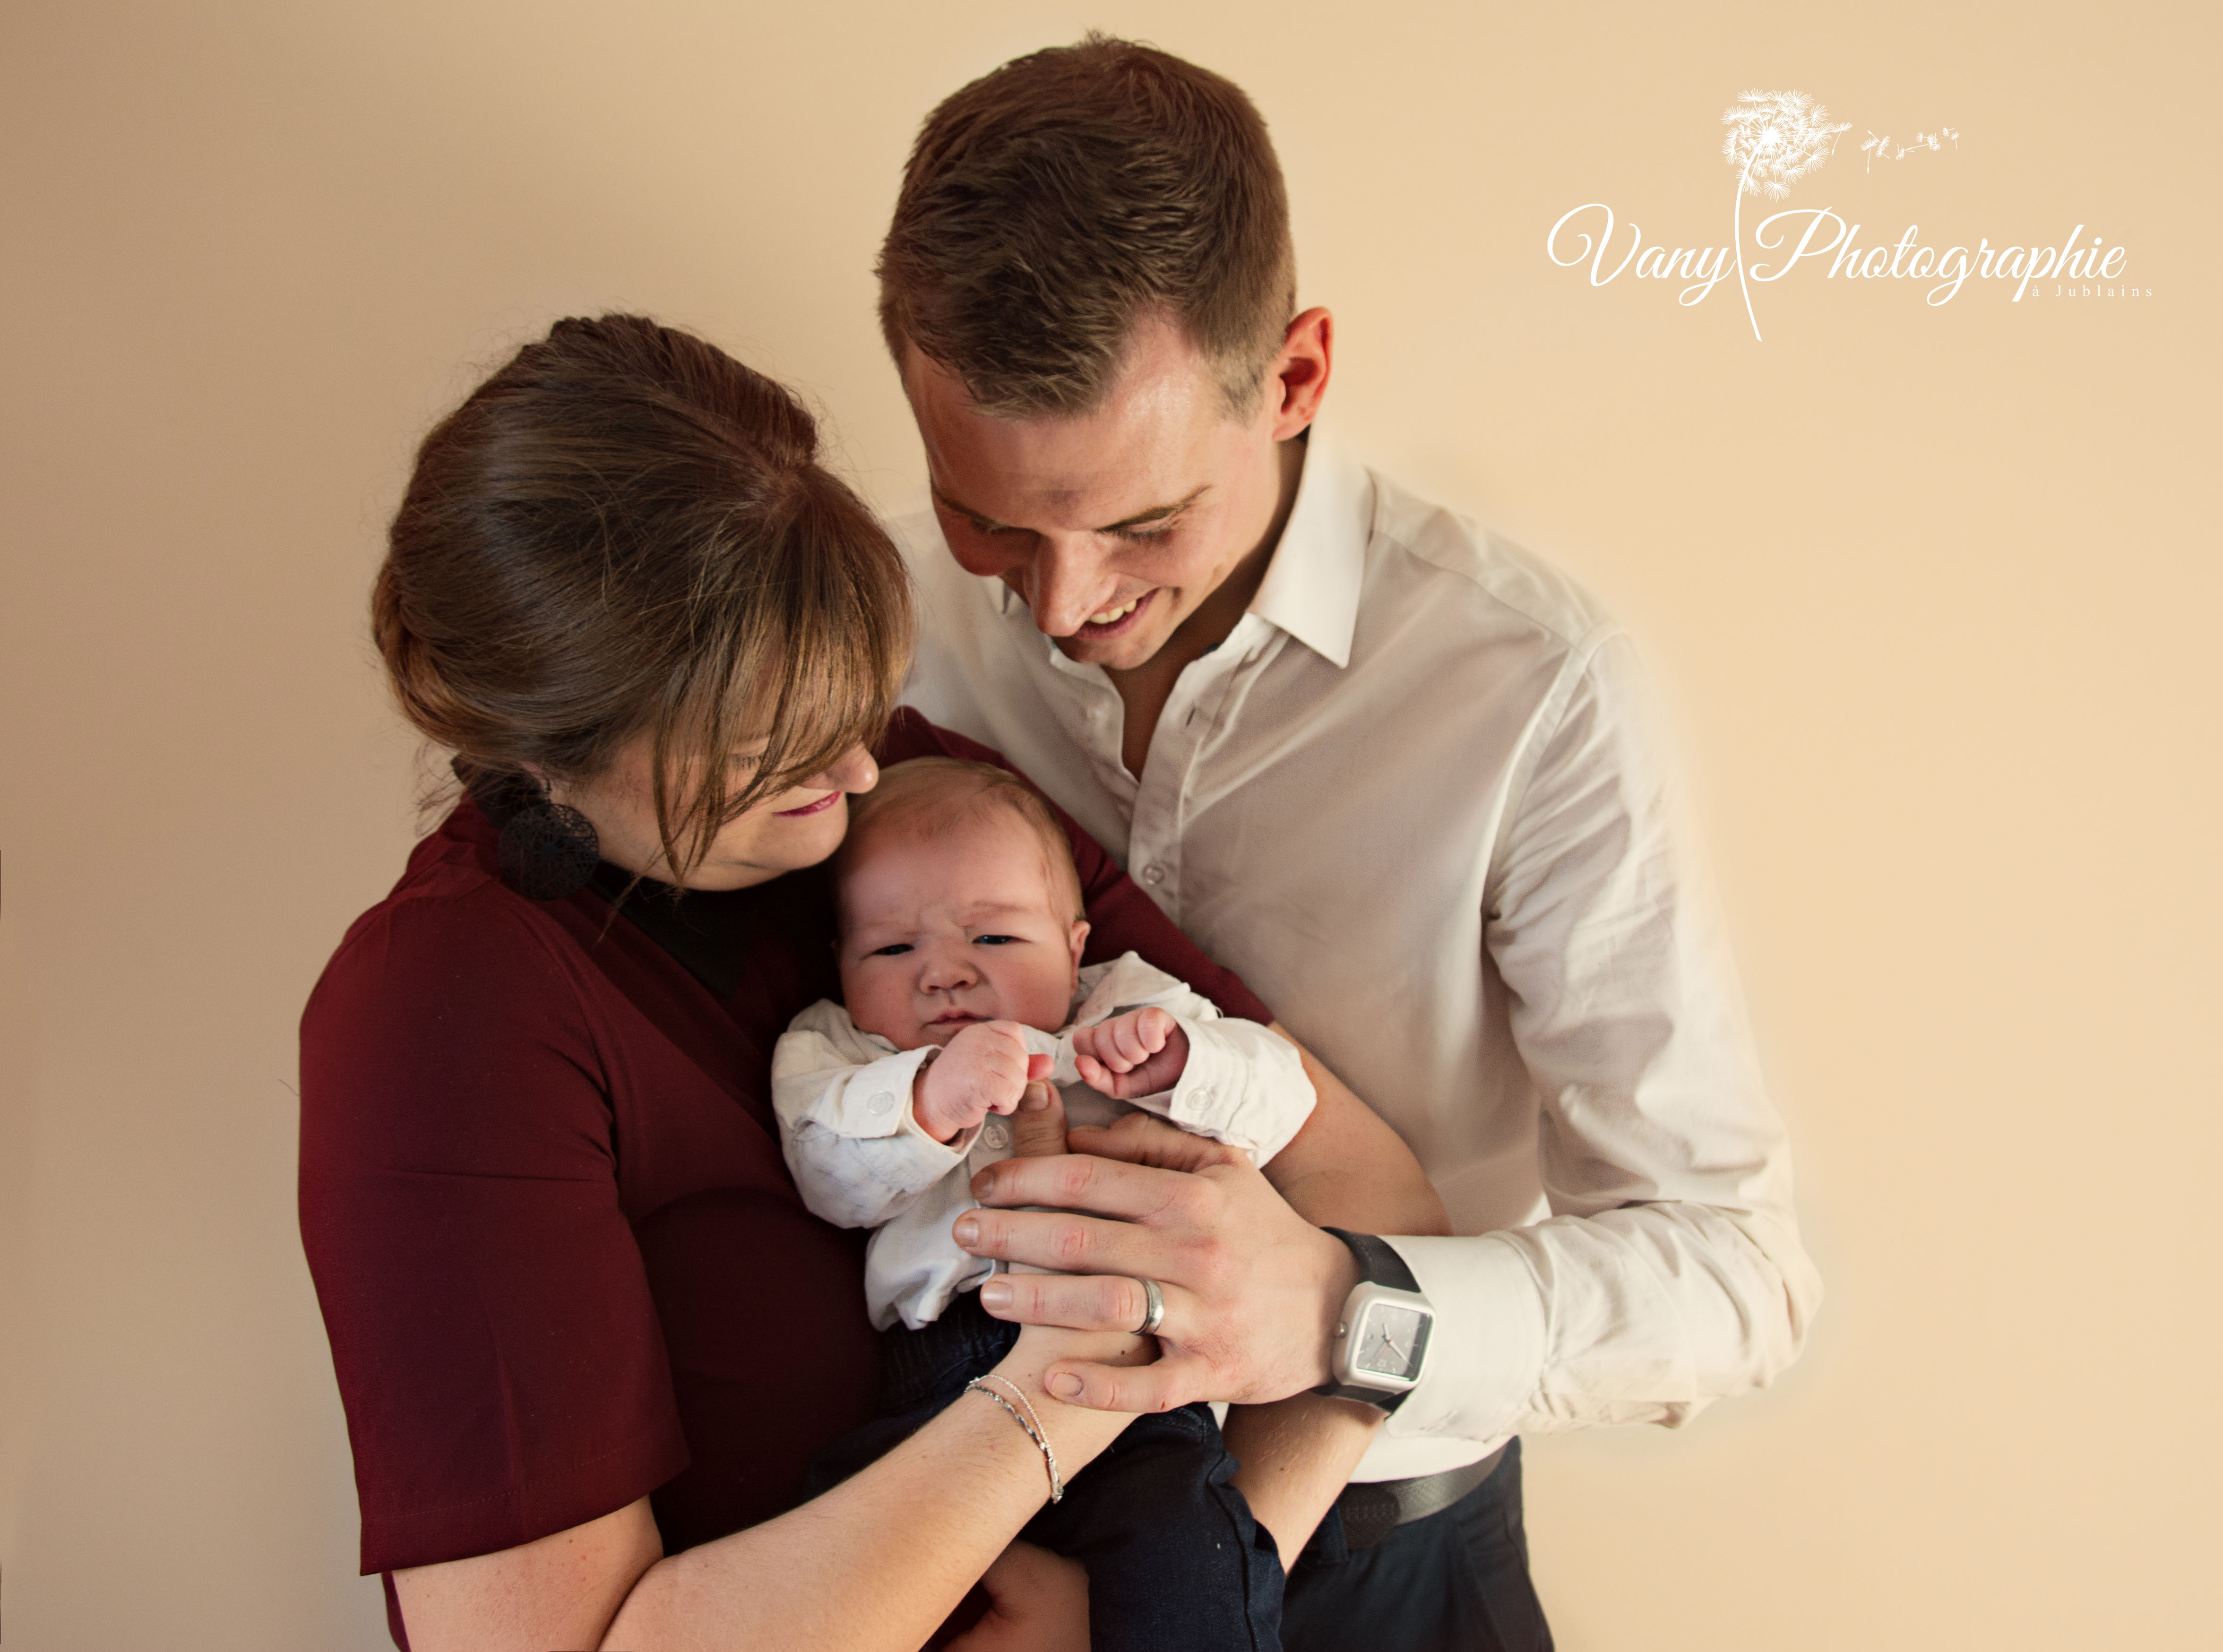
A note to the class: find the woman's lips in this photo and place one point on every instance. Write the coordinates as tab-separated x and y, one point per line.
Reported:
820	807
1136	608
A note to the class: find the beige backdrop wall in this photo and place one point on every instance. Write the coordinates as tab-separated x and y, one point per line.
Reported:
1930	589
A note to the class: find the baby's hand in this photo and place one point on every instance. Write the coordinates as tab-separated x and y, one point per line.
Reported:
984	1070
1139	1053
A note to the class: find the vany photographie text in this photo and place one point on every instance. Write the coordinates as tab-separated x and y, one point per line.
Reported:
1701	268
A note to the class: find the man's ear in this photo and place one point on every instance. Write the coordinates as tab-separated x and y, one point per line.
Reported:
1298	379
1079	938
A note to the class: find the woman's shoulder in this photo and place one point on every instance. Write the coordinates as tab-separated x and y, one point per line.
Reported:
449	934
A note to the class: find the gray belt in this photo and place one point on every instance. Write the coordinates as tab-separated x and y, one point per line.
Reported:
1374	1509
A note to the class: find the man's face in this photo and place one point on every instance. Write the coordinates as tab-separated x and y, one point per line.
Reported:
1114	525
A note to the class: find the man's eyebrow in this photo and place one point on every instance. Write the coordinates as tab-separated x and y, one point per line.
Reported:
1156	514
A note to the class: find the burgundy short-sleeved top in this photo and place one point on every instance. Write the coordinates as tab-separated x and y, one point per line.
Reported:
558	1255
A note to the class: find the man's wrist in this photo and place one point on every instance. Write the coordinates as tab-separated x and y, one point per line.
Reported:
1383	1334
1340	1276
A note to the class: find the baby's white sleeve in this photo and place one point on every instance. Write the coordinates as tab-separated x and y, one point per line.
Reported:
858	1156
1241	1085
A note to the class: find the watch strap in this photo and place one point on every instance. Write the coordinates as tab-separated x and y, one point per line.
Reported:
1378	1261
1378	1264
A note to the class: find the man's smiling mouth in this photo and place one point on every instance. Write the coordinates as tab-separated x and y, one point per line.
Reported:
1114	622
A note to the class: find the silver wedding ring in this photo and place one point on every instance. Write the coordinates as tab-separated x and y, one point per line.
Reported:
1154	1314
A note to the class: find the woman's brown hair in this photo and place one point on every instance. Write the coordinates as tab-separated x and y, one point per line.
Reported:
625	531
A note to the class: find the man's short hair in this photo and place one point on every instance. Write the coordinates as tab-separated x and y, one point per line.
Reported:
933	797
1055	203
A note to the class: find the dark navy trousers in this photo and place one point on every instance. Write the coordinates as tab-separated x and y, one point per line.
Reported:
1457	1581
1175	1562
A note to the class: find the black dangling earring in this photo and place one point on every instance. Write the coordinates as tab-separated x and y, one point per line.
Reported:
548	849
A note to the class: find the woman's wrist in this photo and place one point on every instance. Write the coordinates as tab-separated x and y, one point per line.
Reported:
1076	1433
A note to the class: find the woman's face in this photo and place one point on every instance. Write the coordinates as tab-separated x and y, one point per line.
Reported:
796	828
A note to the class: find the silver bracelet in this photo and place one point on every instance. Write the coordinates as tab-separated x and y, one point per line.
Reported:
1029	1422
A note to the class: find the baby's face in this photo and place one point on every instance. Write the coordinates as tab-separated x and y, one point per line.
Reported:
940	931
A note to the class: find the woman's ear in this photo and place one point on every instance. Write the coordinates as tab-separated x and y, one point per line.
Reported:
1079	938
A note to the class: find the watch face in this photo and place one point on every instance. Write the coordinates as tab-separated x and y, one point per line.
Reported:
1391	1341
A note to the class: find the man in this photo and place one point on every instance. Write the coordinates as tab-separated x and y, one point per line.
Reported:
1389	768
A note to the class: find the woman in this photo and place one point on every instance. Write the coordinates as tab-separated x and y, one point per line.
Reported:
587	1336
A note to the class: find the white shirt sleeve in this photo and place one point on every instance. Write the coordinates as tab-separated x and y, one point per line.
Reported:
1669	1273
843	1097
1241	1084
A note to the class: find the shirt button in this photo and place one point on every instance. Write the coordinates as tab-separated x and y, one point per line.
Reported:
1154	874
997	1137
881	1104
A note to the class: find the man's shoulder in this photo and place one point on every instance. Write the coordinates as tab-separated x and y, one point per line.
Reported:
1448	564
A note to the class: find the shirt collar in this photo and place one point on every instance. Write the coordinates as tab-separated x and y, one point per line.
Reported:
1311	587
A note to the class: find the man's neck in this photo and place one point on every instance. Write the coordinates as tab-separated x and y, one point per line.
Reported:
1145	689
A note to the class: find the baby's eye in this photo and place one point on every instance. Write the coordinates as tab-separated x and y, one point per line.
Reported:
893	949
995	940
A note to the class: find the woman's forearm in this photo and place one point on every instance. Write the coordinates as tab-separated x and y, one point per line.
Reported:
877	1563
1297	1455
872	1565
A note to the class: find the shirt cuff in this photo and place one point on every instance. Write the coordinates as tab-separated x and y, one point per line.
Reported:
874	1100
1485	1359
1241	1085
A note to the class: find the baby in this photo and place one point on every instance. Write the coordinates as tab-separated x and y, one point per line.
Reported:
960	941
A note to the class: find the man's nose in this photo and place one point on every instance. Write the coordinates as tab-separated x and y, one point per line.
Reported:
1067	582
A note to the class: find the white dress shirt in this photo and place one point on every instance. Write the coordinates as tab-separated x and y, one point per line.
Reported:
861	1159
1414	801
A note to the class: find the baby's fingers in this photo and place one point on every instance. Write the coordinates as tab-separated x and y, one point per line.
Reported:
1134	1048
1099	1043
1154	1026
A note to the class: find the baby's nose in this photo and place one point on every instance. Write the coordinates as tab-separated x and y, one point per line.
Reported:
944	973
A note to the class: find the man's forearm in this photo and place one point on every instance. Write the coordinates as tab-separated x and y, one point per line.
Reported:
1346	1169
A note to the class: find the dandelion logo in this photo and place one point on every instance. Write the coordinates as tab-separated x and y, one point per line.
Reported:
1777	138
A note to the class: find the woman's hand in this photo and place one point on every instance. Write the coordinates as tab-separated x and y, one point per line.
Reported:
1038	1602
1252	1288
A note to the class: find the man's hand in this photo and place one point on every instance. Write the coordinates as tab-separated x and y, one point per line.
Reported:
1252	1289
984	1070
1038	1127
1142	1052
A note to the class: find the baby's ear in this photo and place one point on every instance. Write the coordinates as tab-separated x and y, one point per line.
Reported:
1080	938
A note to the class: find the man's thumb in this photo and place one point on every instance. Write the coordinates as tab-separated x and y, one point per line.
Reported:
1038	1127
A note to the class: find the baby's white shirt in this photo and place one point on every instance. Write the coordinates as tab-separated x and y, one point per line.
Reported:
861	1160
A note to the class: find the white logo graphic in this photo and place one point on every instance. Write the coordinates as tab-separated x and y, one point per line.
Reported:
1880	147
1778	137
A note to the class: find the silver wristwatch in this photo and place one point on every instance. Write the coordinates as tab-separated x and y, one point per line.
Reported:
1382	1338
